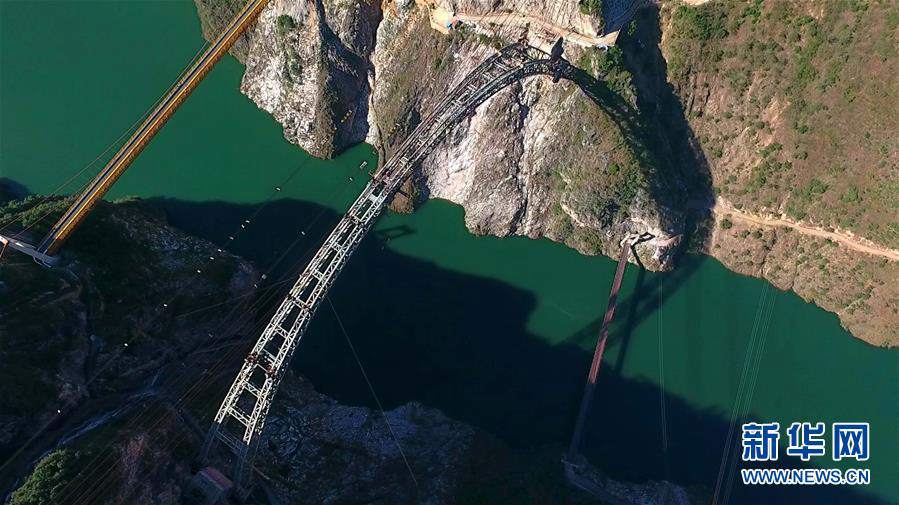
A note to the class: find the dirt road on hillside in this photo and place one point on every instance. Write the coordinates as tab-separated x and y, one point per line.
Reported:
440	17
723	209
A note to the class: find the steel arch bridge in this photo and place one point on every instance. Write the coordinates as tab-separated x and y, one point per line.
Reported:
239	422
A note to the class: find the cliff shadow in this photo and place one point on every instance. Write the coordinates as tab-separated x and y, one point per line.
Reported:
669	132
461	343
664	182
348	79
12	190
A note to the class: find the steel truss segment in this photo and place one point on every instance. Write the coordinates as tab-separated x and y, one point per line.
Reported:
241	417
230	441
292	317
253	390
271	358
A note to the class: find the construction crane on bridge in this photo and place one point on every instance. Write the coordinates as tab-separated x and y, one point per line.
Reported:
45	252
574	458
239	422
627	245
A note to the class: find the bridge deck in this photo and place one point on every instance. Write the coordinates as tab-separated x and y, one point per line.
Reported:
120	161
574	449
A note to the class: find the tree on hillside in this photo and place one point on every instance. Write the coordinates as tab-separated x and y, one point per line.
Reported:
46	484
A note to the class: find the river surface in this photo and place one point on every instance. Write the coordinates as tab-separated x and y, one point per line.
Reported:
494	332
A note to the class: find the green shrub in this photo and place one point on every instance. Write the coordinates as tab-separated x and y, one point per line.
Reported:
753	11
46	485
814	187
851	195
285	24
700	23
609	66
590	7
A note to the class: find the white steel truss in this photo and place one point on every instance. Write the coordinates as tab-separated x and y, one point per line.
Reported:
240	420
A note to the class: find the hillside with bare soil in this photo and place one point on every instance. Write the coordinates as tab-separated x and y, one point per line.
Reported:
787	112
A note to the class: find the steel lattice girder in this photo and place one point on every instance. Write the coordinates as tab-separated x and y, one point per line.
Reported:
509	65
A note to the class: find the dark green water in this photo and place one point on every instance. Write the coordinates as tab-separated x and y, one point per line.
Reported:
495	332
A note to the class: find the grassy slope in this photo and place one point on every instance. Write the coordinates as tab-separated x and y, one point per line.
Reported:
796	105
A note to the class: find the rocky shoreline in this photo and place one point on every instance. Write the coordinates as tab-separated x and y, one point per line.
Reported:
344	73
537	159
115	389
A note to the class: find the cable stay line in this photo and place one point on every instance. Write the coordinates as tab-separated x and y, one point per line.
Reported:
748	376
663	407
753	382
231	324
371	389
161	309
128	131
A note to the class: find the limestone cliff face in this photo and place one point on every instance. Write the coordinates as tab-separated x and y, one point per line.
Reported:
546	160
319	451
538	159
307	65
565	13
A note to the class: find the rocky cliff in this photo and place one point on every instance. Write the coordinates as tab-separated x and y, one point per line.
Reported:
121	374
312	75
537	159
682	136
109	363
83	332
319	451
82	347
791	108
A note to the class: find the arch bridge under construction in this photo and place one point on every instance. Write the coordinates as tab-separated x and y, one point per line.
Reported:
239	422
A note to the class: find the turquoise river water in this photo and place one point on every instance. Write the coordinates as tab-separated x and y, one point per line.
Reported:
494	332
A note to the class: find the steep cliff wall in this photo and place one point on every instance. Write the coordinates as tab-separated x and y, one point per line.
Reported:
81	341
538	159
792	109
307	65
699	114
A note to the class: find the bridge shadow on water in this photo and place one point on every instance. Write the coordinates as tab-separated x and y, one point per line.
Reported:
460	343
